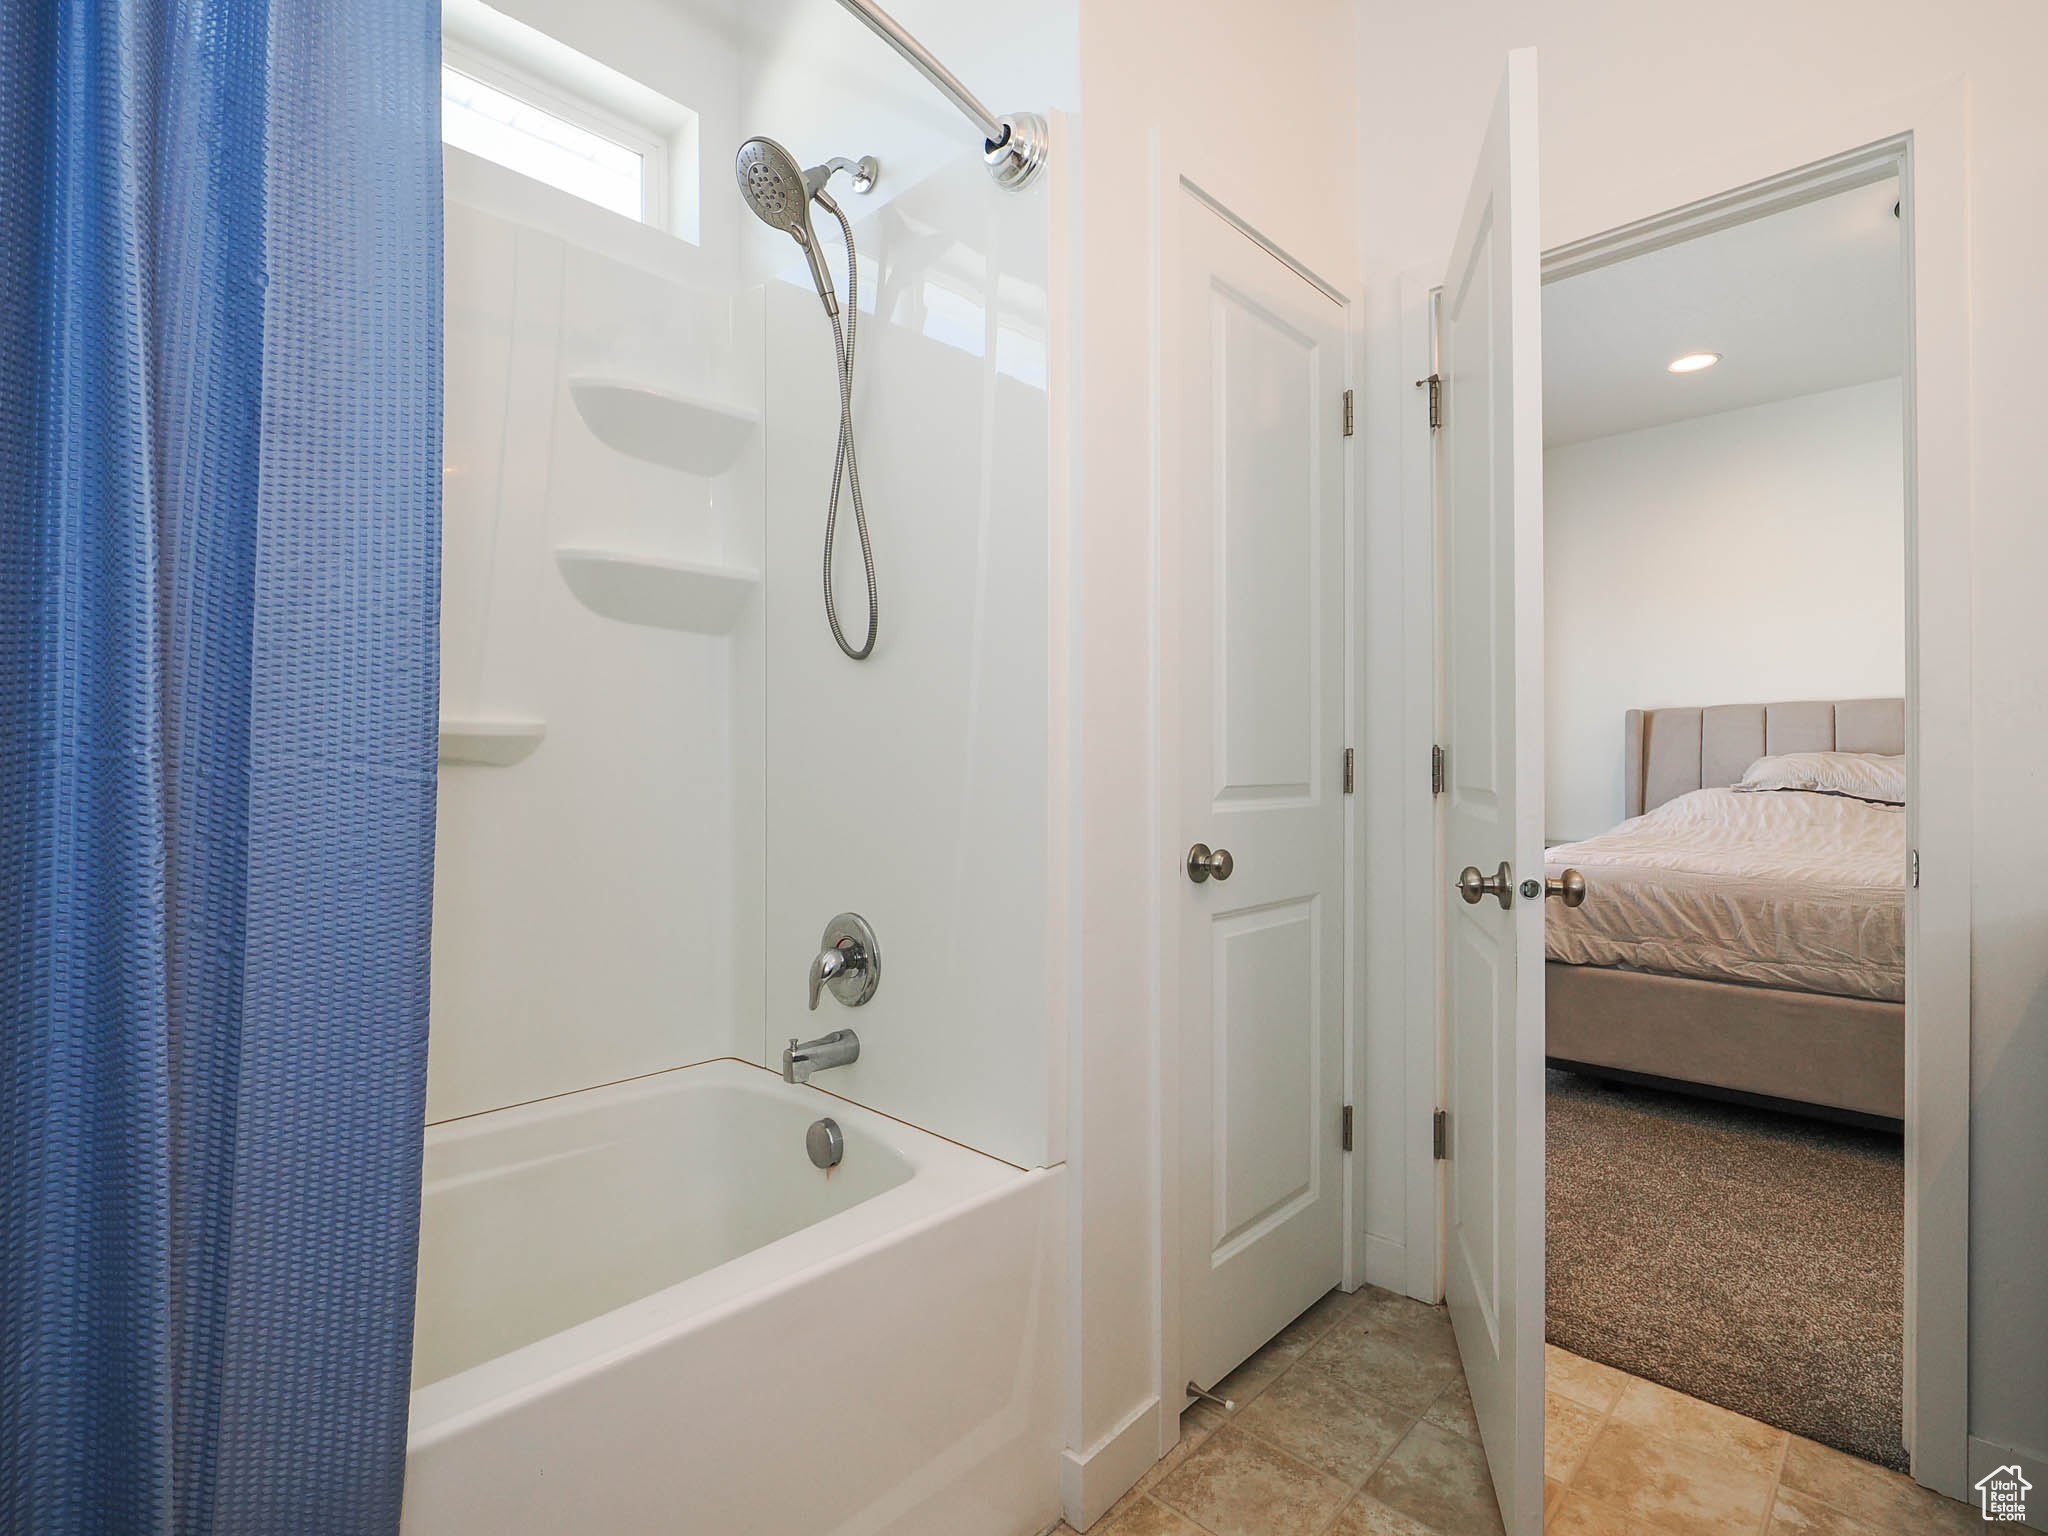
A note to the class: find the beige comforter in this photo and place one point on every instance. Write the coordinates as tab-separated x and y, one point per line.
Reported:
1782	889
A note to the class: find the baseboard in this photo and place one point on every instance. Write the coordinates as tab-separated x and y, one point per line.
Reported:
1386	1263
1393	1266
1987	1457
1094	1479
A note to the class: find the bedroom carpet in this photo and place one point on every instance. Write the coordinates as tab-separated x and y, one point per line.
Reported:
1752	1259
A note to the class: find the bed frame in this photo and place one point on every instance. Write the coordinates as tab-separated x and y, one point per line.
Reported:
1840	1058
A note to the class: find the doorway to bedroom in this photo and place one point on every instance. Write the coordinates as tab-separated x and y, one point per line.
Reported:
1726	642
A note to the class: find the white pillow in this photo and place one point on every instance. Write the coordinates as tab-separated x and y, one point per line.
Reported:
1859	775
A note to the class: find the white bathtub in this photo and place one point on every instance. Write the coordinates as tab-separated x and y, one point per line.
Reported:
642	1309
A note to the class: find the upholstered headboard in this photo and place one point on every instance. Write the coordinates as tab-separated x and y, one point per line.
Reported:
1671	752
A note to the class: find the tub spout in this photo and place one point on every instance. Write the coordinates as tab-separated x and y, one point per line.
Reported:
800	1058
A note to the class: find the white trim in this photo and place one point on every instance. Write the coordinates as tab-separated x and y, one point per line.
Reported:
1094	1479
1415	872
1774	194
1386	1262
1925	141
480	41
1272	248
636	138
1063	719
1941	755
1067	681
1431	1066
1357	1243
1165	727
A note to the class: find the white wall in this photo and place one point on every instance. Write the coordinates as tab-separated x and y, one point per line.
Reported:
585	923
912	787
1258	103
1729	94
591	918
1752	555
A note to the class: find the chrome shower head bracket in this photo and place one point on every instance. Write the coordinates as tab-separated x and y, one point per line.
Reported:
865	171
1016	159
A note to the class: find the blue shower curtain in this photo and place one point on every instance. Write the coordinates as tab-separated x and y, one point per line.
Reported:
220	394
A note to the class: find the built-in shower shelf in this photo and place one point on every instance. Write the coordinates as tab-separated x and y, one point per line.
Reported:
489	743
661	426
667	594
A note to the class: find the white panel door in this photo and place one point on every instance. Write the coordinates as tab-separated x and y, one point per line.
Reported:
1490	490
1259	373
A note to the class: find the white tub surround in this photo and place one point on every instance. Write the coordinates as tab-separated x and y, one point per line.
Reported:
611	876
641	1308
900	786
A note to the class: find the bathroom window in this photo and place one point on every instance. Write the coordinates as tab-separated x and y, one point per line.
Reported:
500	115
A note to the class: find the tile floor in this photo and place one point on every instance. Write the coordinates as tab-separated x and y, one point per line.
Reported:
1355	1421
1625	1455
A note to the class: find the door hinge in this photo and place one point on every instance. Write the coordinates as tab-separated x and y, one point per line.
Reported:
1350	414
1350	770
1440	1132
1435	385
1347	1127
1913	869
1436	770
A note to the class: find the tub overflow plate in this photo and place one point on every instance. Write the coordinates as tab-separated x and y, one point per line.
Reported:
825	1143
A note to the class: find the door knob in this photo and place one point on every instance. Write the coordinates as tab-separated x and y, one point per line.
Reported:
1202	863
1472	885
1571	885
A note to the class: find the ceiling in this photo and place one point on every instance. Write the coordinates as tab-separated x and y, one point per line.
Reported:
1796	302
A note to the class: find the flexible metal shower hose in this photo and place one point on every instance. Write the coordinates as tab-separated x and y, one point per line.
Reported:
845	464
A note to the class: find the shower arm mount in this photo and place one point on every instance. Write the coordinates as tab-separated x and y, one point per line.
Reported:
1014	146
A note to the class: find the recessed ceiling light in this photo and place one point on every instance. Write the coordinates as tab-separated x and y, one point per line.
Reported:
1693	362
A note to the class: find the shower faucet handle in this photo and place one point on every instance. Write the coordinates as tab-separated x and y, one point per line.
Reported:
827	968
848	963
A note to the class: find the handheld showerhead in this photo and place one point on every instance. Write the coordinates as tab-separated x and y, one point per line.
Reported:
780	192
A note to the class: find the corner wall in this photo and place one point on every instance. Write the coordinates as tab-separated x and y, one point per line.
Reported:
1257	103
590	919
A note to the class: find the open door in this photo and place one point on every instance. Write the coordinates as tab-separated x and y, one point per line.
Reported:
1490	493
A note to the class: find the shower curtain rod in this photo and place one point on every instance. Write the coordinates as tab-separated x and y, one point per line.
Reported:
884	26
1014	146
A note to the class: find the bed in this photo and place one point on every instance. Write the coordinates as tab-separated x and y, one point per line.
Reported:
1745	945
